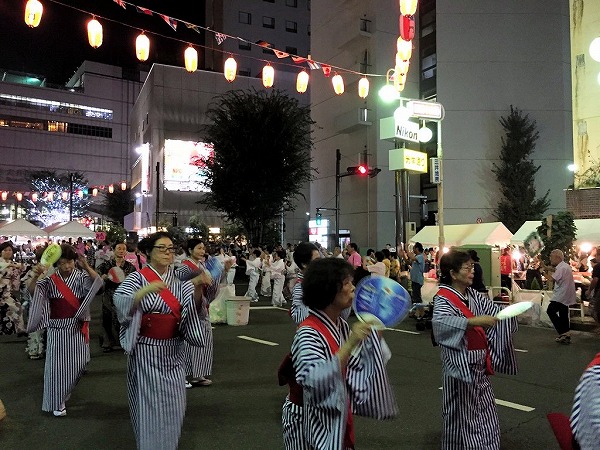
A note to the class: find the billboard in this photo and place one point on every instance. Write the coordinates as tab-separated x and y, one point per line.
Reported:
184	165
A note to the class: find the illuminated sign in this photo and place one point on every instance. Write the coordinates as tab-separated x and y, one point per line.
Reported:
435	174
405	159
426	110
185	165
408	131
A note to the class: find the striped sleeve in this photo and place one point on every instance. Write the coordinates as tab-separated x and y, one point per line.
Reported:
129	317
39	309
298	310
185	273
585	417
191	327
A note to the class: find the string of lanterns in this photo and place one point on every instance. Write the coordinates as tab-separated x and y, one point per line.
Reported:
64	195
34	11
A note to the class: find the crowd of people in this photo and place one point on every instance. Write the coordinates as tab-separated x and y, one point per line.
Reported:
155	301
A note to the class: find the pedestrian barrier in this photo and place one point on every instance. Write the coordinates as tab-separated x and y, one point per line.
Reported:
238	310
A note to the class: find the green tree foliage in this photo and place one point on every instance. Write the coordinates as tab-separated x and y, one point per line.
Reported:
262	143
562	235
199	228
118	204
116	234
516	172
53	209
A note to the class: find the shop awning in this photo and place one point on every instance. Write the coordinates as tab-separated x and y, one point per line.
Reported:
492	233
588	230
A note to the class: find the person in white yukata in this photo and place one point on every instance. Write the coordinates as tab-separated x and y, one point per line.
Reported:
61	304
157	312
278	277
474	344
341	373
253	268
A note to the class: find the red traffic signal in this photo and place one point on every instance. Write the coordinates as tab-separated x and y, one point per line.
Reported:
358	170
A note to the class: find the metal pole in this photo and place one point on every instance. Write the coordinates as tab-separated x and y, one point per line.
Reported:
399	218
404	198
157	193
70	197
338	158
281	225
440	191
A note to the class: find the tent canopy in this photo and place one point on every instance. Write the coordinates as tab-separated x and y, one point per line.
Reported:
71	229
20	227
493	233
588	230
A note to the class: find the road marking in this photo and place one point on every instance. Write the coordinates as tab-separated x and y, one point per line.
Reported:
402	331
509	404
260	341
521	350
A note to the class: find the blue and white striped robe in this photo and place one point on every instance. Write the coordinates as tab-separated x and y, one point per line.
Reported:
199	360
325	390
67	353
468	410
155	374
585	417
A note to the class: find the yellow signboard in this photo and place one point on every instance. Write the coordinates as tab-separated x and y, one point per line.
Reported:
405	159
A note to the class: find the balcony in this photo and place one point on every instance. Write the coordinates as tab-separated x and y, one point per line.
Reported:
358	34
353	120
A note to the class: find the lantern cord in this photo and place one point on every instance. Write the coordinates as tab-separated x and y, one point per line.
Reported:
214	33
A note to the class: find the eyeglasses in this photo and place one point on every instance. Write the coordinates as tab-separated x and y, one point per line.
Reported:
163	249
468	267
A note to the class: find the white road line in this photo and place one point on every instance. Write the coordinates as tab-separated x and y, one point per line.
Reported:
260	341
521	350
510	404
402	331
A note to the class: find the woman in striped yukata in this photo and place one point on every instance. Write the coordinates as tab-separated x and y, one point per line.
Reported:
157	312
474	344
340	373
585	417
61	305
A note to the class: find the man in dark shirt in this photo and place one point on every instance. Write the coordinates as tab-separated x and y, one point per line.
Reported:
478	283
593	291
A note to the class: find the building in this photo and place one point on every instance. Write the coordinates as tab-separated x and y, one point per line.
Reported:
477	59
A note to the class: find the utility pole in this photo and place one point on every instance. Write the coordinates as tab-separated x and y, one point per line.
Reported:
70	196
157	197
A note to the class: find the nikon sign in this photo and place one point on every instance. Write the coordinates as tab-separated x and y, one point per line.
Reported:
408	131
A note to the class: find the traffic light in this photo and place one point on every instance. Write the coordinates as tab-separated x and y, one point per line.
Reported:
319	217
363	170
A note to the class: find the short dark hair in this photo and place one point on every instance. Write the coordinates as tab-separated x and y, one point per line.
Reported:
281	253
418	246
354	246
386	253
190	245
369	251
68	252
379	256
257	253
452	261
303	254
145	246
323	280
7	244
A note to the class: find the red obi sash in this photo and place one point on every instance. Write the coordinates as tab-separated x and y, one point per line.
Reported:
476	338
161	326
594	362
67	307
191	265
315	323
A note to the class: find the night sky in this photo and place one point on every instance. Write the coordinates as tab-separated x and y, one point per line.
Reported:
59	44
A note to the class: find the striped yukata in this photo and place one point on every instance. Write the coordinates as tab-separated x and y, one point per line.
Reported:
198	360
469	410
585	417
326	392
67	349
155	375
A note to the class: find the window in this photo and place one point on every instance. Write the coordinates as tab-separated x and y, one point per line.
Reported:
244	45
290	26
292	3
245	17
245	72
55	126
291	50
268	22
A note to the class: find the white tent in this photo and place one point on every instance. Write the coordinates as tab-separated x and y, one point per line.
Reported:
493	233
71	229
588	230
20	227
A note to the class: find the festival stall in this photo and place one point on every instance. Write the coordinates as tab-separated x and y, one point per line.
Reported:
68	230
20	228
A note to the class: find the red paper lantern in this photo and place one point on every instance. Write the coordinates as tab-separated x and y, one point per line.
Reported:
407	27
19	196
4	196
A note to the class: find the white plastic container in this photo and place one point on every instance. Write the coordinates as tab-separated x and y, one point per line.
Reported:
238	310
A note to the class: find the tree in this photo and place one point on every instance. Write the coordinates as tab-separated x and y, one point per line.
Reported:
516	172
562	235
116	234
261	161
199	228
50	207
118	204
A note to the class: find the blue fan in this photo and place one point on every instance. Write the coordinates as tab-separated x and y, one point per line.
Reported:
381	298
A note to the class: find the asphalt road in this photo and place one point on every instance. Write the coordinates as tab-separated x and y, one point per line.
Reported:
241	410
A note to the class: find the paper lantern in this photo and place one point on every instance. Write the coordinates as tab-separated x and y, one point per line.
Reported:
4	196
594	49
230	69
407	27
142	47
95	192
111	189
401	66
94	33
338	84
191	59
65	196
50	196
302	82
408	7
80	193
404	49
399	81
33	13
19	196
34	197
123	185
363	87
268	75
